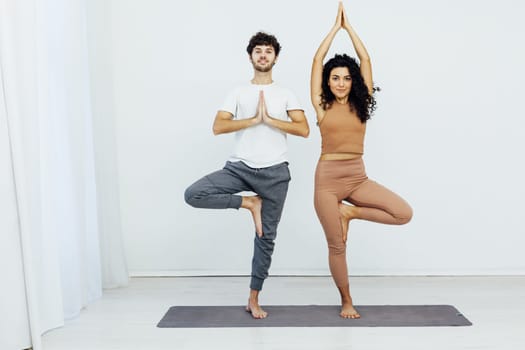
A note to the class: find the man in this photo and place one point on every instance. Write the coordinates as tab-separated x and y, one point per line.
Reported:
261	114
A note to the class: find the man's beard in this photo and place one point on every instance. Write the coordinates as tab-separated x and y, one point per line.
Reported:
263	69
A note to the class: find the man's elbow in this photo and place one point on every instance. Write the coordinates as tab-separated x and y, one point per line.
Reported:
217	130
305	132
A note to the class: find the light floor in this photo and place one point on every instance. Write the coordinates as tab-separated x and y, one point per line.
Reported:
126	318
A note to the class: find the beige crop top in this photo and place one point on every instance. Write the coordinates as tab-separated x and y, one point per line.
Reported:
341	130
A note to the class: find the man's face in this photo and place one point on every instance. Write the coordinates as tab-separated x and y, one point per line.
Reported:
263	58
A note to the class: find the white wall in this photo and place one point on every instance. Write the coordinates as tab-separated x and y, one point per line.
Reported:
447	134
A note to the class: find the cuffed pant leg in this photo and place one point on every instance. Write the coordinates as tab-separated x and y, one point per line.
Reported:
272	186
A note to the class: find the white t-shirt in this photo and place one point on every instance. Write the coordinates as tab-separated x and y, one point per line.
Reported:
260	146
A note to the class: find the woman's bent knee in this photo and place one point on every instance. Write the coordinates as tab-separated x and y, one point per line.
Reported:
405	216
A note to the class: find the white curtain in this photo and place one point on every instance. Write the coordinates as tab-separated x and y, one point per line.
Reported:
54	223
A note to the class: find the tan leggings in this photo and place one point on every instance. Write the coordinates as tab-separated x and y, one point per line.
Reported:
337	180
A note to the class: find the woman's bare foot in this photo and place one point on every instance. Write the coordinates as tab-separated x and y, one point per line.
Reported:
348	311
347	213
347	306
254	205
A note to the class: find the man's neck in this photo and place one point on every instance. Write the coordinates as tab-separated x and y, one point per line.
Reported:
262	78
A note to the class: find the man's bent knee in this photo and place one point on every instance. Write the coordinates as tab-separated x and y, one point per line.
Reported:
191	196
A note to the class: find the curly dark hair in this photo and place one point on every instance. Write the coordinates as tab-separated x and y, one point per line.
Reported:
359	99
261	38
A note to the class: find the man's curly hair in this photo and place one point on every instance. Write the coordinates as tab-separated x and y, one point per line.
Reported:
261	38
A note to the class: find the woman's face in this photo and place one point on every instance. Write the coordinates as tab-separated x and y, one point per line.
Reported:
340	82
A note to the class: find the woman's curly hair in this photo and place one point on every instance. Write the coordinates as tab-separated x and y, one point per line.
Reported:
360	100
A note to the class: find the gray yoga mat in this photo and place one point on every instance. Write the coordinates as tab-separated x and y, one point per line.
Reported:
314	316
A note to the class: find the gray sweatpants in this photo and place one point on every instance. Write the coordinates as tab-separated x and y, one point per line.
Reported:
218	191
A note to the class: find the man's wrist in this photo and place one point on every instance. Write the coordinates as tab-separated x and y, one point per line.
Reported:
270	121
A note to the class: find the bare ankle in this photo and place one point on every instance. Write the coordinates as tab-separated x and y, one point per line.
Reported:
254	295
248	202
254	205
349	212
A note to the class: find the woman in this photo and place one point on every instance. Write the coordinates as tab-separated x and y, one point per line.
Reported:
342	95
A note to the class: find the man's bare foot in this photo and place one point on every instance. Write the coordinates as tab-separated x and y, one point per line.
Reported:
348	311
347	213
254	205
254	308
